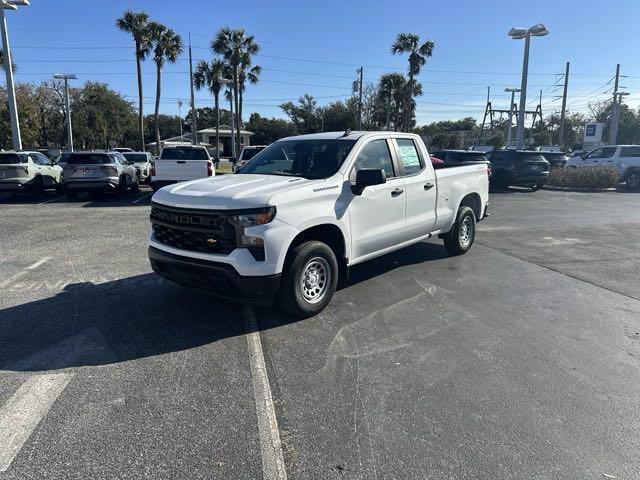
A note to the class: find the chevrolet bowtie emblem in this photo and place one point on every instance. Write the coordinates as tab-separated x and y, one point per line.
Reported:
212	240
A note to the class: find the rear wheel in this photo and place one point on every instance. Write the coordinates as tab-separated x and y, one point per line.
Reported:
537	187
633	181
463	233
309	279
71	195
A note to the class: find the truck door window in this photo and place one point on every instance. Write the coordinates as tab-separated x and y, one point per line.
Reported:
374	154
409	158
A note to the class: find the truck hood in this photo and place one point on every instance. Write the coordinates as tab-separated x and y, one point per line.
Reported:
228	192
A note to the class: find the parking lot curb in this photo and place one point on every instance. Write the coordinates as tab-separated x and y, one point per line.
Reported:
577	189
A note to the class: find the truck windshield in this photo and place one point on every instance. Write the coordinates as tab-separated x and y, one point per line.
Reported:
310	159
136	157
184	154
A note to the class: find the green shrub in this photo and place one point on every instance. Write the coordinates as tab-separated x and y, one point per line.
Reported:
585	177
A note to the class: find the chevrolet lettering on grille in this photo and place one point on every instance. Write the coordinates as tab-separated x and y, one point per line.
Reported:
183	219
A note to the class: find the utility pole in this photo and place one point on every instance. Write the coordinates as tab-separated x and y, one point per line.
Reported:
616	118
194	123
11	92
360	71
564	107
66	77
487	111
509	122
614	111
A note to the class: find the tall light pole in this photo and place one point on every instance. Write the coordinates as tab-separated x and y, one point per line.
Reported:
67	105
513	91
11	91
538	30
180	119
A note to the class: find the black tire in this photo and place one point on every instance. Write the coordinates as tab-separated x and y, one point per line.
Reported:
71	195
455	241
294	298
537	187
633	181
122	185
135	188
500	182
37	188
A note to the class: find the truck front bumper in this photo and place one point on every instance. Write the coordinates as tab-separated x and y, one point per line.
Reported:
220	279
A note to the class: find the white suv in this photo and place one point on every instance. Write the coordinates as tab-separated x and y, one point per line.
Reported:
29	172
626	158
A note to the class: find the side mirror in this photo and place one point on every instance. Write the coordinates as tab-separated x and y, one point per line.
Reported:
368	177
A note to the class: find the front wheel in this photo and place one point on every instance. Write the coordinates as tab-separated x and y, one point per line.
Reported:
633	181
463	233
309	279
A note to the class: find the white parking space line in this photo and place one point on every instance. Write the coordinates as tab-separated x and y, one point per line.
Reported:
270	444
22	413
52	200
142	198
23	272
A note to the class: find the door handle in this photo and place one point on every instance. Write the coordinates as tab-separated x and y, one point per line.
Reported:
181	161
396	192
428	186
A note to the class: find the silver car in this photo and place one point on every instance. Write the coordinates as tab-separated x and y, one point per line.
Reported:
98	172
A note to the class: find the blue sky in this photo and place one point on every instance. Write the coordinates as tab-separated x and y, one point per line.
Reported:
315	47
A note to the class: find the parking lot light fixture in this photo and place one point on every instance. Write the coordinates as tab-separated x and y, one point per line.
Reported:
11	92
66	77
538	30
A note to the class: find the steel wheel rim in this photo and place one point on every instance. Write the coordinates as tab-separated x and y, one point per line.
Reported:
633	180
315	280
466	231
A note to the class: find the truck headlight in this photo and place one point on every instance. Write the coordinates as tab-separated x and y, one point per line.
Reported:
252	218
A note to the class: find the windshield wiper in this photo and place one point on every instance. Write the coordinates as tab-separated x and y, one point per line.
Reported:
283	173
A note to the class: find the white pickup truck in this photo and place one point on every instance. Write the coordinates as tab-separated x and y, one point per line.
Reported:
293	220
179	163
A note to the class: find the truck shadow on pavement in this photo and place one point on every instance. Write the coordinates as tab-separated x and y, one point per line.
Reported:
142	316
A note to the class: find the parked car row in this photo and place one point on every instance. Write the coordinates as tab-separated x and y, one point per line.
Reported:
73	172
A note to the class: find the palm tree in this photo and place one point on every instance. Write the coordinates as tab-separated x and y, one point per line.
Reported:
237	48
391	86
167	47
248	73
212	75
137	24
418	55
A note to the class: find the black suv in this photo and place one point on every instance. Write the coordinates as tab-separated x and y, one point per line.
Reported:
454	158
556	159
519	168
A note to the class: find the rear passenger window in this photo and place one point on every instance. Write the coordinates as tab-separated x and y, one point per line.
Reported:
376	155
630	152
409	157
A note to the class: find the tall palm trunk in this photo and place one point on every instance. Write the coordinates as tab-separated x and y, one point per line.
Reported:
140	98
157	112
407	108
217	103
240	103
237	107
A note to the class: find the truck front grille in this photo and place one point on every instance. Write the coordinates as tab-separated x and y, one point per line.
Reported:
193	230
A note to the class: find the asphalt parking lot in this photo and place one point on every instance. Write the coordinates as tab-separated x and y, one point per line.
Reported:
518	360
